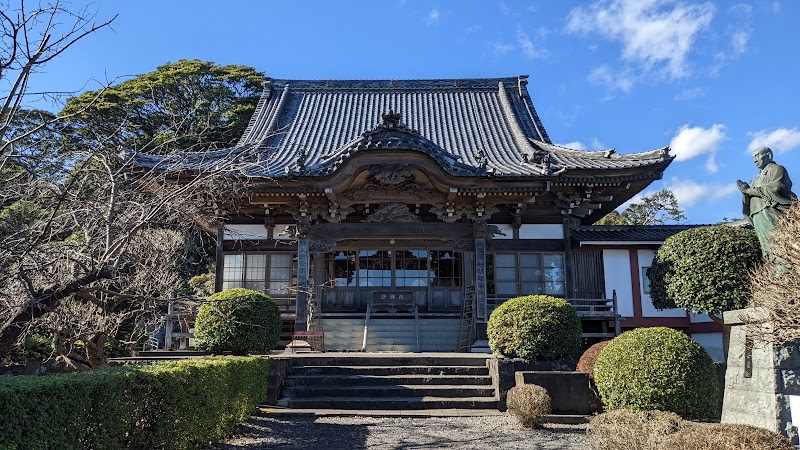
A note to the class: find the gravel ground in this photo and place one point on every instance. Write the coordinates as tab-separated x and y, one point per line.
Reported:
330	433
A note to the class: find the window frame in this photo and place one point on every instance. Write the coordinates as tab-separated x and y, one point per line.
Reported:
266	279
520	280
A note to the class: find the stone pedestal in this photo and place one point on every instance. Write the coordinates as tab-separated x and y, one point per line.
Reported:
762	387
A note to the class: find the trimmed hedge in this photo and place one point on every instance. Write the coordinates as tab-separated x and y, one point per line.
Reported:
658	368
535	327
176	405
705	269
238	320
589	358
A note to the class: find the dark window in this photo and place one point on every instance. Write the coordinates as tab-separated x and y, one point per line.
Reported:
513	274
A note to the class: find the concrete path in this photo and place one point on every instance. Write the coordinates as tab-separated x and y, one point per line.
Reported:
275	430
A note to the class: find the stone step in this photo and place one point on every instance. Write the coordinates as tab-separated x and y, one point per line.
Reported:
422	413
389	403
403	360
396	391
387	370
388	380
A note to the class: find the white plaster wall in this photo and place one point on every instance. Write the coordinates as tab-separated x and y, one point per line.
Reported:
541	231
648	310
251	232
712	343
506	229
616	266
278	229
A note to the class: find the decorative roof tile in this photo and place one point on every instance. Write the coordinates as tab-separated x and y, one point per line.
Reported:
629	233
471	127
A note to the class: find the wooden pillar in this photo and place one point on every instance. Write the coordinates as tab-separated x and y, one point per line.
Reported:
303	269
219	270
480	231
570	223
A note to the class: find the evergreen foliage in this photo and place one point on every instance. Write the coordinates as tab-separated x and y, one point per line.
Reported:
704	269
657	208
658	368
175	405
187	105
535	327
238	320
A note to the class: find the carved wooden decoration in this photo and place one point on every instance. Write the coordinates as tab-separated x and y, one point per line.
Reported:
395	213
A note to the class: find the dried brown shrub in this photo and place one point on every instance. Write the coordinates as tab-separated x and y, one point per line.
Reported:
640	430
589	357
529	404
724	436
775	284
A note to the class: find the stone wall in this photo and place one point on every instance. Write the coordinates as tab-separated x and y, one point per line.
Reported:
760	381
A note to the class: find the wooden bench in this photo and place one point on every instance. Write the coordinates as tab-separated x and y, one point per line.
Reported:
308	336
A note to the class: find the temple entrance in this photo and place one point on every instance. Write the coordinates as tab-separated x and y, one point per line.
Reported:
434	277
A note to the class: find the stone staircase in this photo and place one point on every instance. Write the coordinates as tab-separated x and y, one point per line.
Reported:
389	382
391	334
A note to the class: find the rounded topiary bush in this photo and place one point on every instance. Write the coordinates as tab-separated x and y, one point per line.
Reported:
589	358
529	404
632	430
704	269
535	327
724	436
658	368
238	320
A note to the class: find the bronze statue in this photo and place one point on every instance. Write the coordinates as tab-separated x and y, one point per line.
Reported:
767	197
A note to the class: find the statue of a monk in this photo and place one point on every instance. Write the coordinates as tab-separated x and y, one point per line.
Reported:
767	197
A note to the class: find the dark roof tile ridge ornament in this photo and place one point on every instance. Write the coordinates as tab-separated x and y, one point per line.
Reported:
390	134
398	85
540	160
660	154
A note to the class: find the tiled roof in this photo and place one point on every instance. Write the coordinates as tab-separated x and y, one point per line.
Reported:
471	127
630	233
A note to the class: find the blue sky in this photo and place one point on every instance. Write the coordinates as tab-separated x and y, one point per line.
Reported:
712	79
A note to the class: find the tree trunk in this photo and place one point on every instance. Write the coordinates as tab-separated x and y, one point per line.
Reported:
12	332
44	302
726	335
95	350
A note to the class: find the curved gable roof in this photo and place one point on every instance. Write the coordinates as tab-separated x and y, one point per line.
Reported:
471	127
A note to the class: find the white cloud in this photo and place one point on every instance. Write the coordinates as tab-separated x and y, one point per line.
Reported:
597	145
474	29
530	49
781	140
657	34
576	145
689	192
614	82
690	94
579	145
504	8
776	7
739	41
501	49
433	17
691	142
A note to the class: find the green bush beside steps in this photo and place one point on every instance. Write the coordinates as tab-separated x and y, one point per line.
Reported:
172	405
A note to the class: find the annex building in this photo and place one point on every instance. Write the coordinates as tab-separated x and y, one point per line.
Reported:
396	214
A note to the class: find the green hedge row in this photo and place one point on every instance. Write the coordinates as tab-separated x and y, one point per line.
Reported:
173	405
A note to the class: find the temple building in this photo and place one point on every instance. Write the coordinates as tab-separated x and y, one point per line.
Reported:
396	214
